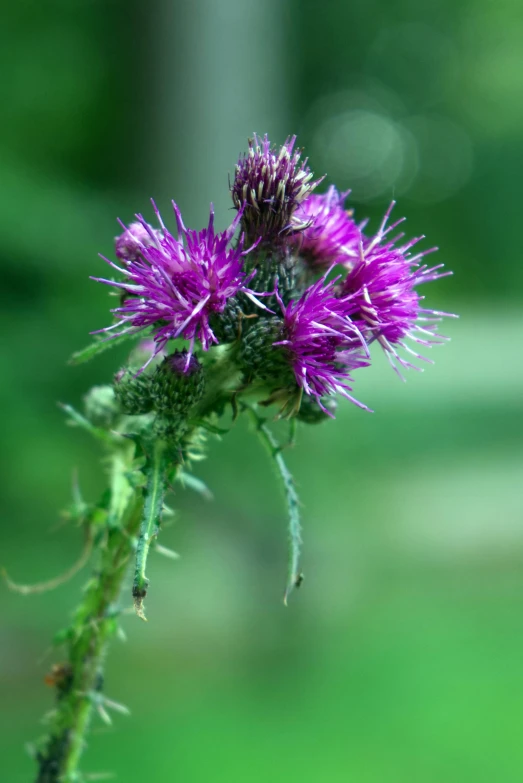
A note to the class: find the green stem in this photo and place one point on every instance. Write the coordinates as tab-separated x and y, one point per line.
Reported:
79	681
291	496
222	376
155	470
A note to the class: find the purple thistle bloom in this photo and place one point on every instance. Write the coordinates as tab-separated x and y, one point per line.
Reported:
381	284
323	342
129	244
269	184
331	236
176	285
179	363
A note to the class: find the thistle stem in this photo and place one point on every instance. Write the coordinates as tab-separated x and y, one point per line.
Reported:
295	577
155	469
222	376
79	681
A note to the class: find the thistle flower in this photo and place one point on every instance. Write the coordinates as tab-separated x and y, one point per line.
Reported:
323	343
128	245
381	285
299	354
331	236
269	184
176	285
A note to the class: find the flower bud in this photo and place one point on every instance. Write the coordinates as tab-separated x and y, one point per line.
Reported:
129	245
226	325
133	392
177	384
311	413
269	184
144	354
274	272
101	407
260	358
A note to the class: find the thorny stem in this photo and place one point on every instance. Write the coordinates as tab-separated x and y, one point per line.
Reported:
124	523
295	577
222	377
79	686
156	470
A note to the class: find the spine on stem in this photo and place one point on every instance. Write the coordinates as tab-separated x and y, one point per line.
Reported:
79	680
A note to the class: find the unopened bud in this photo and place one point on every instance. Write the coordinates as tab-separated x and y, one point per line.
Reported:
177	384
260	358
311	413
227	325
129	245
273	271
133	392
269	184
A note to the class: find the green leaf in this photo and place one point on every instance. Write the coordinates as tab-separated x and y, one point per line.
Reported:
97	432
206	425
121	489
294	577
196	484
99	346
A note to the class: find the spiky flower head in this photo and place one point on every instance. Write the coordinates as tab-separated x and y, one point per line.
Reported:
177	384
175	285
129	244
269	184
258	358
331	236
381	286
133	391
322	343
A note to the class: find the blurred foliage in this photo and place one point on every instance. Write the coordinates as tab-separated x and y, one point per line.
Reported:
399	659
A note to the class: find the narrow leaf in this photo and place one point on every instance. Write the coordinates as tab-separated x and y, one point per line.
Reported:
121	489
81	421
206	425
155	470
169	553
100	345
294	577
52	584
196	484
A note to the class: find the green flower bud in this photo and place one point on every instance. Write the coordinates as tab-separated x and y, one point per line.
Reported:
311	413
101	407
227	325
260	358
133	392
177	384
271	268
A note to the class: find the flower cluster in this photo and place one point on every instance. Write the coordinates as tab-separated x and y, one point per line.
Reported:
303	337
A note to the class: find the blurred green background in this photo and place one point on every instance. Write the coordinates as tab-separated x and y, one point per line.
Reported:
400	659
